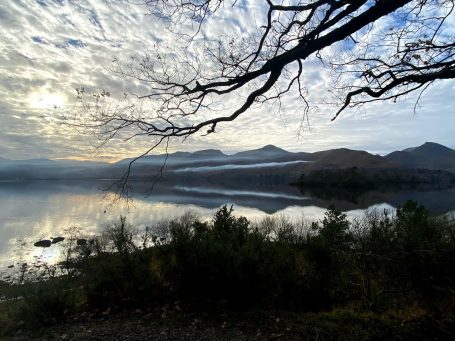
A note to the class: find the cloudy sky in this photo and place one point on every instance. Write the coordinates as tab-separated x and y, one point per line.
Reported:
48	48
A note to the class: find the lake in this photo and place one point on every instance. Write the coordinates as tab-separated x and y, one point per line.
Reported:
35	210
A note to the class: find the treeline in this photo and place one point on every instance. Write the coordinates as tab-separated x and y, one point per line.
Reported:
382	262
362	178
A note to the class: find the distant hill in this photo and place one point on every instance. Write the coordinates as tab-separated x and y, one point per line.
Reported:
266	152
347	158
210	153
178	158
50	169
269	162
429	155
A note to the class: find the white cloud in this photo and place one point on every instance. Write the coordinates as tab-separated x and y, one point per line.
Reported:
48	48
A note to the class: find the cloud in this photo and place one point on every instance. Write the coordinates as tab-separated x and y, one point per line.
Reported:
49	48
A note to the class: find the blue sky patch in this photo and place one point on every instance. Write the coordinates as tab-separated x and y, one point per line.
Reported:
75	43
38	40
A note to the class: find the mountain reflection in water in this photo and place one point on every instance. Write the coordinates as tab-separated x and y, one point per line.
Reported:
34	210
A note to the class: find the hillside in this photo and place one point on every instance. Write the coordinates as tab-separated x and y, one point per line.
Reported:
269	162
41	169
266	152
430	155
347	158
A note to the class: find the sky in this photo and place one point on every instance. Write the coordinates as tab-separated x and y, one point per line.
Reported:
48	48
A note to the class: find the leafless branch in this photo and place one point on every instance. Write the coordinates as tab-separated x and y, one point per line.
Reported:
377	50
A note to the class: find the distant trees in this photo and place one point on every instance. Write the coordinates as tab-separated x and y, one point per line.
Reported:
364	178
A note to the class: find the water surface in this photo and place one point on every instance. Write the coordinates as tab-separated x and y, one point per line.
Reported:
34	210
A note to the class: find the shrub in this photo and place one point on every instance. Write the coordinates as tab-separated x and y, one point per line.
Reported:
379	262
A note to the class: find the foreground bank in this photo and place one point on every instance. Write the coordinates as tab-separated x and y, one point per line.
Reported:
382	276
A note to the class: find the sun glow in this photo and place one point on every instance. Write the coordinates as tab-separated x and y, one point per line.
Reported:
47	100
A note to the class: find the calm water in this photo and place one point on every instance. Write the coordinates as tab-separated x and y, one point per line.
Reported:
30	211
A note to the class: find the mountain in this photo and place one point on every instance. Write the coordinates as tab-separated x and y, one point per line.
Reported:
266	152
50	169
269	163
209	153
429	155
347	158
177	158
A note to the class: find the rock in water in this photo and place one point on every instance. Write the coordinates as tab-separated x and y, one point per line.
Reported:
43	243
57	240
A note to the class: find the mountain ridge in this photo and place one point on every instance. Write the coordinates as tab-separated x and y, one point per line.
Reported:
275	160
429	155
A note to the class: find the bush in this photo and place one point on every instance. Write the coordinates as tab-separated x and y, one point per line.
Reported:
406	255
380	262
114	271
46	302
226	260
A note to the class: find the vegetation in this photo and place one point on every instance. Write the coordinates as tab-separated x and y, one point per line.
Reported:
362	178
381	271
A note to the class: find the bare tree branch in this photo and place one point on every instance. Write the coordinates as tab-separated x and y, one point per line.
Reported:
377	50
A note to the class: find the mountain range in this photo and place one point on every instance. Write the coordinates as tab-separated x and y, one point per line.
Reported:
430	155
268	162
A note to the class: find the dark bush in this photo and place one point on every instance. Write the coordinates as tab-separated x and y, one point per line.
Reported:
380	262
374	262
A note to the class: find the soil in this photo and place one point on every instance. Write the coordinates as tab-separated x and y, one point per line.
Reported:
139	325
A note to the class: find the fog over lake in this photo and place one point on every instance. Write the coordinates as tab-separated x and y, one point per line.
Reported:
34	210
236	166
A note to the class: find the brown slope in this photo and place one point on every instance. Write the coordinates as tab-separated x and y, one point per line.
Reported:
347	158
430	155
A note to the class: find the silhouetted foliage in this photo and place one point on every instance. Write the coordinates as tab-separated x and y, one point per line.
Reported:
355	178
276	263
377	263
